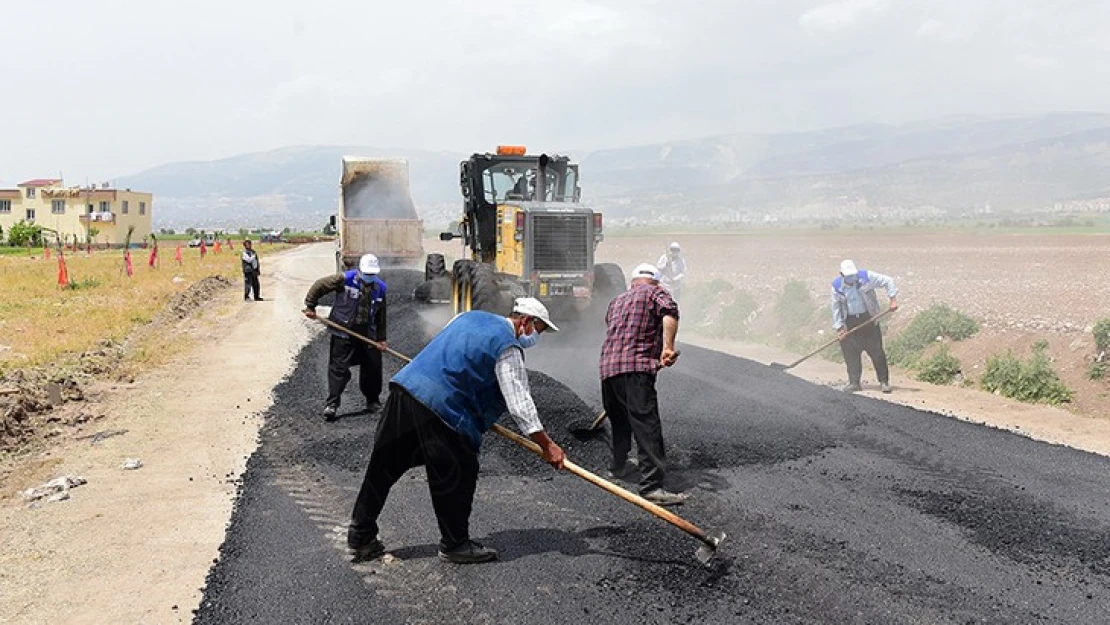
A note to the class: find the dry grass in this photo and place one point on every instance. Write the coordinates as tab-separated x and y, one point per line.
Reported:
39	322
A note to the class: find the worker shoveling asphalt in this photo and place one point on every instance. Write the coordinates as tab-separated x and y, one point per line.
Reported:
710	540
583	429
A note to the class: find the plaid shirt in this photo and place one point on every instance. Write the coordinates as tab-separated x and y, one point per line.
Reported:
634	340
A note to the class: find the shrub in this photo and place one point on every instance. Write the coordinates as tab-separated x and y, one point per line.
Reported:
1102	335
734	317
1097	370
21	233
795	306
1033	381
939	368
937	320
702	297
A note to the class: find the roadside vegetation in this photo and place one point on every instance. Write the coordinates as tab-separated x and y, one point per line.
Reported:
40	321
1033	380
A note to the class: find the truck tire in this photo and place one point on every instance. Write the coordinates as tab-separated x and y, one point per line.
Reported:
609	282
434	267
484	291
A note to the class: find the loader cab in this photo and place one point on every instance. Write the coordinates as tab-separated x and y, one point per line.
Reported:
488	181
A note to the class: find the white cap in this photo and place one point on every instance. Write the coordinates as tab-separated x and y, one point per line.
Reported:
368	265
534	308
675	247
646	270
848	268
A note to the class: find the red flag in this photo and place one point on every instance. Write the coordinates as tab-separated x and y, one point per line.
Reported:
46	252
230	245
217	250
177	254
127	263
203	249
153	256
63	275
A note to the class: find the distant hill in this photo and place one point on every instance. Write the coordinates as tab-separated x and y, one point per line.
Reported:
951	164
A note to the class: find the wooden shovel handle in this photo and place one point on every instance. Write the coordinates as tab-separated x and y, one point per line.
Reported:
332	324
612	488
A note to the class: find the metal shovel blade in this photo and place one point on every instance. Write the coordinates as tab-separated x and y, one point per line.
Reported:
706	552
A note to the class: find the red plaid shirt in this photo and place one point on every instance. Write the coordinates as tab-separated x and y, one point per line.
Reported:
634	340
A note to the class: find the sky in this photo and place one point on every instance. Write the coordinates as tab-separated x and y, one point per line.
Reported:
108	88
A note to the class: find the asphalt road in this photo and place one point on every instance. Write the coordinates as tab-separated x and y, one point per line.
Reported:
838	509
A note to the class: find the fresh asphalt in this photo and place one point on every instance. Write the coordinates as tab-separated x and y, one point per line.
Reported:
838	509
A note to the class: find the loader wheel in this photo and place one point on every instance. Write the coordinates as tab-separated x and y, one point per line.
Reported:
484	291
434	267
461	285
608	282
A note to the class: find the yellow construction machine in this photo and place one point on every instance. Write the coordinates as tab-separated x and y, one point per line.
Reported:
524	233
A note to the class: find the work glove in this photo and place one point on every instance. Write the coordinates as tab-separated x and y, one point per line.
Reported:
894	304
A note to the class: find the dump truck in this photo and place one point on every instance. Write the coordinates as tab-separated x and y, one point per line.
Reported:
376	214
525	233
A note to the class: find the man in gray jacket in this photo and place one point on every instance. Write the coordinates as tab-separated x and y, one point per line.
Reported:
251	271
854	303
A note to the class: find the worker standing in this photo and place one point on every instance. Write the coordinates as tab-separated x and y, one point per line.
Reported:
854	302
672	270
439	406
360	305
251	271
641	326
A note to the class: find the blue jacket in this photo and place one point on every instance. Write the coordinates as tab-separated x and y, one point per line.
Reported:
345	310
455	375
866	283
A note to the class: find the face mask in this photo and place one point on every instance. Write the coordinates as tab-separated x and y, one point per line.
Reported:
851	280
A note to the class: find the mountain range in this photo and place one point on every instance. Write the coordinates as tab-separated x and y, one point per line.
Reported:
949	165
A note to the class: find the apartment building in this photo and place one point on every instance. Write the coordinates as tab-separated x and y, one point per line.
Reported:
99	210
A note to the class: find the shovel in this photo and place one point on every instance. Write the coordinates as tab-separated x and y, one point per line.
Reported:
781	367
710	540
584	429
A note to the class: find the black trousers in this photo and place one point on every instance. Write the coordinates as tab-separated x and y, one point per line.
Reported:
631	402
250	283
410	435
345	353
870	340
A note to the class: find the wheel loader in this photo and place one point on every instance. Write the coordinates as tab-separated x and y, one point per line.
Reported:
524	233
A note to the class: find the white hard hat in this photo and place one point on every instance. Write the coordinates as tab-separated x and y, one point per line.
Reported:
848	268
646	270
368	265
675	247
534	308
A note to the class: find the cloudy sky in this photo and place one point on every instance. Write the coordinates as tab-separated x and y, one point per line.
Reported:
103	88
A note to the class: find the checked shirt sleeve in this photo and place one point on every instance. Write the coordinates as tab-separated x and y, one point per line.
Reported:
512	377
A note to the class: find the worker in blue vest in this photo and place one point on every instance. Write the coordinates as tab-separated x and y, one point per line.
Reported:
438	408
854	303
359	306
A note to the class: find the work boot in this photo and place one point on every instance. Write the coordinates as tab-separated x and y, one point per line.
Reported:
886	388
469	552
852	388
665	498
372	405
630	468
330	412
366	551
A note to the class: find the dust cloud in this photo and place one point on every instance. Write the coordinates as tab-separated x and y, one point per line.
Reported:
376	196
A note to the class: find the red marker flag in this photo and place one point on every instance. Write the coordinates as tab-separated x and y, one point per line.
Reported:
63	275
127	263
217	250
177	254
203	249
46	252
153	256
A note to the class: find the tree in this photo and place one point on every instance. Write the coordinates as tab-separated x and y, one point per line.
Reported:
23	233
191	232
1	233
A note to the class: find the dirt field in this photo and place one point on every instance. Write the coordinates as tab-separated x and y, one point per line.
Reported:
1021	288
